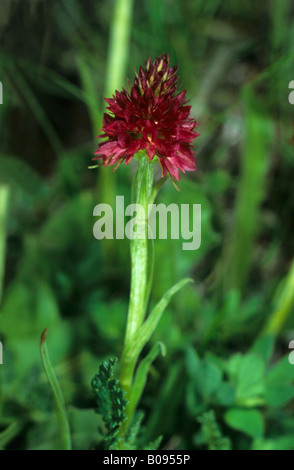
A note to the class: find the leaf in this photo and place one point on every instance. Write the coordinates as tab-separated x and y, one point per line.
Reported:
211	432
249	422
57	395
278	443
154	445
279	395
132	436
281	373
110	401
141	375
90	92
263	347
148	327
206	377
225	395
279	383
284	307
248	375
8	434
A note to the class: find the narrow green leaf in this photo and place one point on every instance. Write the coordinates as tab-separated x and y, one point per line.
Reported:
57	395
284	307
44	76
8	434
88	83
141	375
146	330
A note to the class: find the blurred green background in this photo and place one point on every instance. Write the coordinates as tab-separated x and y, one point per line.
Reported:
226	381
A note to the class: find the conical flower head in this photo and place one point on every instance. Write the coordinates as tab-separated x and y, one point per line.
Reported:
153	116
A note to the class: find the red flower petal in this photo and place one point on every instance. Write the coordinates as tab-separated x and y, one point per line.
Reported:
152	116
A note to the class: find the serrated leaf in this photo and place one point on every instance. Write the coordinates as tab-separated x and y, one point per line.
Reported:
110	401
212	435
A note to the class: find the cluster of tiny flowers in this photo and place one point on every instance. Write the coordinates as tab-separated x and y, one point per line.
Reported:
153	116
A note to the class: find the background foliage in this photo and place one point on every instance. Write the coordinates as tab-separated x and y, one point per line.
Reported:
226	381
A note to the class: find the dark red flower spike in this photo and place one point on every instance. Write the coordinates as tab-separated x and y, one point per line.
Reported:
152	116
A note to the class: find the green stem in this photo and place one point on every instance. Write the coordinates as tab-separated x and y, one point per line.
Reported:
119	42
139	277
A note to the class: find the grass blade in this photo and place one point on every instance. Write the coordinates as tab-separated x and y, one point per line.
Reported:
57	395
8	434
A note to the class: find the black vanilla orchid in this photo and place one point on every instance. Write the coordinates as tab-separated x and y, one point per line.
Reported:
153	116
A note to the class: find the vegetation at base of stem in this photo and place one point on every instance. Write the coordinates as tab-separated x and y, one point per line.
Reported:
111	403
